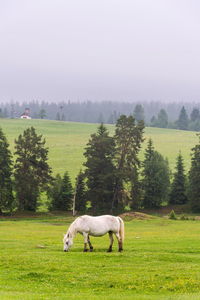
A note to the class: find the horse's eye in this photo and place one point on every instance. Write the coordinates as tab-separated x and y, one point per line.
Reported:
66	243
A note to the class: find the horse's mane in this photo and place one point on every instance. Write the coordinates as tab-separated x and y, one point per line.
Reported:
71	230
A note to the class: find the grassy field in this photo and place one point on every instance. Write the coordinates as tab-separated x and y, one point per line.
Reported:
67	140
160	261
161	257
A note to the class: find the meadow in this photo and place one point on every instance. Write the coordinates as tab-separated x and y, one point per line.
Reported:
66	141
160	261
161	257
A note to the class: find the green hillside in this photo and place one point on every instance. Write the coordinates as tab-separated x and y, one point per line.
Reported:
66	141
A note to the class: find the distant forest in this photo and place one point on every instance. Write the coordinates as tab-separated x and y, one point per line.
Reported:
184	116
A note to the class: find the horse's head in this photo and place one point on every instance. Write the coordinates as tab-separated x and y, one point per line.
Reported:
67	242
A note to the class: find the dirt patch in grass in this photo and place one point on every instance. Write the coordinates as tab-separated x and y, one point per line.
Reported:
128	216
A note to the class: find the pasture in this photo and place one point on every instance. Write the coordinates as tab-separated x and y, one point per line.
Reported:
160	261
67	140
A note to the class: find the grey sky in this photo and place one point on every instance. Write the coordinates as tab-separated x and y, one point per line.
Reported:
100	50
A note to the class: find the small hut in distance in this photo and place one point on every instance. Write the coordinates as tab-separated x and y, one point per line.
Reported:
26	114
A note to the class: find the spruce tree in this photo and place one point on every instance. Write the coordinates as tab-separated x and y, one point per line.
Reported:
194	120
195	125
100	169
138	112
6	195
128	138
155	180
31	170
54	193
80	193
61	193
162	119
194	179
66	193
195	115
178	189
183	120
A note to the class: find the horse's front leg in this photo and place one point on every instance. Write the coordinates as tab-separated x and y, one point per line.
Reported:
89	243
85	236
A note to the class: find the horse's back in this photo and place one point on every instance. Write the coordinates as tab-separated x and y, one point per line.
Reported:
98	225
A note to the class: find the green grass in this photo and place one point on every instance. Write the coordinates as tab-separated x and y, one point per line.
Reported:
67	140
160	261
161	258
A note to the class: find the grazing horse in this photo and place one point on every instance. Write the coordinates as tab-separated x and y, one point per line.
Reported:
95	226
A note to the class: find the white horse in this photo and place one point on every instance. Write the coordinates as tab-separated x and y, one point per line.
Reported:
95	226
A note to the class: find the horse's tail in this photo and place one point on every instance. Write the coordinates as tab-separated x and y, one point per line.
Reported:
121	229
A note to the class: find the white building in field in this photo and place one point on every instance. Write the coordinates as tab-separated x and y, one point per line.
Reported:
25	117
26	113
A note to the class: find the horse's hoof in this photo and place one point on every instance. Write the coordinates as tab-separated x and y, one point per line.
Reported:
120	250
91	249
109	250
85	250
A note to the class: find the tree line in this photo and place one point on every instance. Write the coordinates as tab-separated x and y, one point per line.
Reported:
157	114
184	121
114	178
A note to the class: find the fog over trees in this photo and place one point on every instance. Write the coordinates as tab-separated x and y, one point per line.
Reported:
154	113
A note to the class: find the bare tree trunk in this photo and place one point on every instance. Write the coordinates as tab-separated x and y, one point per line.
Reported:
74	204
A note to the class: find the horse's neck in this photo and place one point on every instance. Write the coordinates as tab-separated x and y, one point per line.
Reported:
72	230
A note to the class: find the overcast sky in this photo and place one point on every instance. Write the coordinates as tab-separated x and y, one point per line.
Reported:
127	50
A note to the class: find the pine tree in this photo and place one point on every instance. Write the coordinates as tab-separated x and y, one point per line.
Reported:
183	120
31	170
195	115
100	169
162	119
194	179
66	193
194	126
138	112
80	196
128	139
178	189
155	180
61	193
6	195
54	192
194	120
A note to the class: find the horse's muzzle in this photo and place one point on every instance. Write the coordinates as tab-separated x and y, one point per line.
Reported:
65	250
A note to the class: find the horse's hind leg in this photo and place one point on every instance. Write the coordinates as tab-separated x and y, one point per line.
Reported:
111	241
85	235
89	243
119	242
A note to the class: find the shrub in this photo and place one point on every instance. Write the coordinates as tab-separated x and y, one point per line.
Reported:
172	215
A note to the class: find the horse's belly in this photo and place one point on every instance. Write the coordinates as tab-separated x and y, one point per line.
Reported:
102	231
97	233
